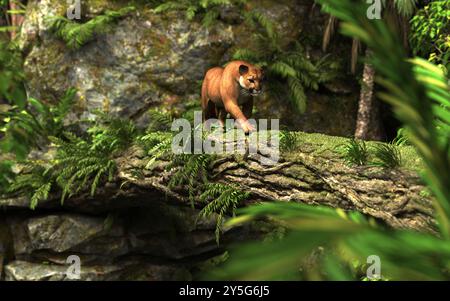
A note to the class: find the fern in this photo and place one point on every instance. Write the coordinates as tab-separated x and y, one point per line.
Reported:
79	160
111	133
80	163
245	55
159	121
298	96
75	35
286	67
193	172
168	6
156	144
208	9
35	181
222	199
30	127
350	236
256	19
40	194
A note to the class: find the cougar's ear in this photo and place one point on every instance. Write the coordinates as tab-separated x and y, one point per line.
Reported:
243	69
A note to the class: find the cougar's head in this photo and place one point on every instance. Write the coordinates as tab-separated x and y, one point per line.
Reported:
250	78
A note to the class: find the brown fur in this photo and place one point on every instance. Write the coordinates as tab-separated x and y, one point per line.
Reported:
223	92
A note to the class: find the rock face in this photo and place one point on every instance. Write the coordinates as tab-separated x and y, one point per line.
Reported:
156	241
149	59
26	271
137	227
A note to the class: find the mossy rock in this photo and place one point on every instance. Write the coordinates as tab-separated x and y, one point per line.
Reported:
150	59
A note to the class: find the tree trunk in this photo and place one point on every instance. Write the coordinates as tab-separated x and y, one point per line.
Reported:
16	19
368	122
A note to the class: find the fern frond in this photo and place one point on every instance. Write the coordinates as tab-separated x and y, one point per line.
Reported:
255	17
298	95
168	6
283	70
210	17
226	198
64	105
40	194
245	55
159	121
75	35
190	12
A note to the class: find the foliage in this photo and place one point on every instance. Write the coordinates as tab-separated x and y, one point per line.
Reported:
159	121
430	32
387	155
405	7
402	138
285	66
11	75
112	133
349	237
191	170
409	87
25	128
355	152
78	161
396	12
6	13
6	174
35	181
288	140
75	34
209	9
437	90
156	144
222	199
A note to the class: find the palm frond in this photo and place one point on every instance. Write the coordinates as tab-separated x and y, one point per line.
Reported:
350	238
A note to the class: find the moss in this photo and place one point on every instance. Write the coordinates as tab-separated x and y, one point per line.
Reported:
97	6
325	146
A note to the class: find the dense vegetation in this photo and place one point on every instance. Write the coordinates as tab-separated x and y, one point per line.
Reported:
420	94
430	34
418	91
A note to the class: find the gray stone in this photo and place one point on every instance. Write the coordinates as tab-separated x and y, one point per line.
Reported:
156	230
68	232
29	271
150	59
134	64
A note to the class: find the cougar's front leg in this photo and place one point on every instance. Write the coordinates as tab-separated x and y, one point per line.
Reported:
222	115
